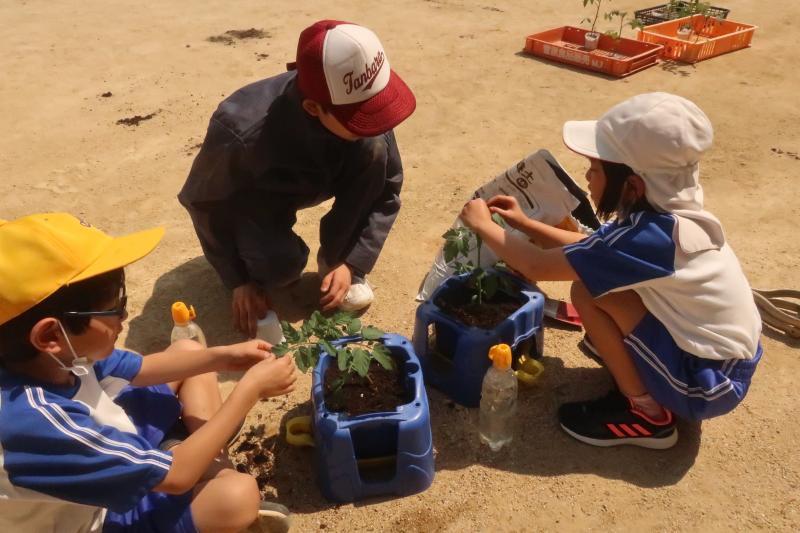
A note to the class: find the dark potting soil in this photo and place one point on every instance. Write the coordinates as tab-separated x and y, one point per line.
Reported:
486	315
382	390
254	454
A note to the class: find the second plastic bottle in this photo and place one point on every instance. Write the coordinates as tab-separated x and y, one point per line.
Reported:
185	327
498	399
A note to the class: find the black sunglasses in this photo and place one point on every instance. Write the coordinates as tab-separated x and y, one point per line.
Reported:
119	310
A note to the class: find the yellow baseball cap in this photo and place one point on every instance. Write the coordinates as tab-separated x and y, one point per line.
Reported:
41	253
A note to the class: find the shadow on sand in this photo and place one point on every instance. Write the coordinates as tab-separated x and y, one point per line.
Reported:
540	447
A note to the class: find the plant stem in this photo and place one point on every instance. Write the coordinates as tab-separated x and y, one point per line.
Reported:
596	14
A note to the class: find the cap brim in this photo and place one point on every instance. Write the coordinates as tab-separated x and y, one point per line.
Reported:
379	114
121	252
581	136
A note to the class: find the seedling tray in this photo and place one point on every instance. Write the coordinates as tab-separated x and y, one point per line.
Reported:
710	37
615	57
663	13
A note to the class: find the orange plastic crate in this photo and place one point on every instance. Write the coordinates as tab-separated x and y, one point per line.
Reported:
710	37
617	57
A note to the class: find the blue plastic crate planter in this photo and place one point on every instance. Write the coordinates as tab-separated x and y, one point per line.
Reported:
374	454
454	355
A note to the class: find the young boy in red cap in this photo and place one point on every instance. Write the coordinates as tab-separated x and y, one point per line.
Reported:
322	130
82	423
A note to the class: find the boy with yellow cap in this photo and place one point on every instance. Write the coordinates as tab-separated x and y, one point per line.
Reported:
81	421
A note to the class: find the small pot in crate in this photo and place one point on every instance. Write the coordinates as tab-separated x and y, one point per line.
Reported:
591	40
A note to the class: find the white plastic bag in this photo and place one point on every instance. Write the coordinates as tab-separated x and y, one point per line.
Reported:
545	192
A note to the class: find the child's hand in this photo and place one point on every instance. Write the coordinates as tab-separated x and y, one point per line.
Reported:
476	214
271	377
250	303
334	287
508	208
246	354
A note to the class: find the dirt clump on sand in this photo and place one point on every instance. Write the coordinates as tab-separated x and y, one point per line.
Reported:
231	36
135	120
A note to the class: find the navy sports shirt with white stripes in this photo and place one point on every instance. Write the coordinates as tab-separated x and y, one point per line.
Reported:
702	298
61	446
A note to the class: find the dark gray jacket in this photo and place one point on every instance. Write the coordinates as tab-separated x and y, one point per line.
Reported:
262	151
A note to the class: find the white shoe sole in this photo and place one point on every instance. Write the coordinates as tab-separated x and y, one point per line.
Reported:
273	521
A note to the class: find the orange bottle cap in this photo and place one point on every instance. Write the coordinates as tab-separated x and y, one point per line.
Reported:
500	354
181	314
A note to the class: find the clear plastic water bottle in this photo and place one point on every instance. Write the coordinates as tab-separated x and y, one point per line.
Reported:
498	399
269	329
185	327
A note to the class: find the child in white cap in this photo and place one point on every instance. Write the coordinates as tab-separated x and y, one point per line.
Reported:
660	292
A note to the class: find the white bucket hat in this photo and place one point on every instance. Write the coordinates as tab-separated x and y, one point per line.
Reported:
661	137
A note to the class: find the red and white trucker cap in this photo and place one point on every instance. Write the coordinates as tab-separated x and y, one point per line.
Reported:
344	67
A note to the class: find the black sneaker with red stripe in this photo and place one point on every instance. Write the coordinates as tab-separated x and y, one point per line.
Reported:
612	421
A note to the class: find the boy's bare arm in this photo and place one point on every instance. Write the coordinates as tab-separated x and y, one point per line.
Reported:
191	458
164	367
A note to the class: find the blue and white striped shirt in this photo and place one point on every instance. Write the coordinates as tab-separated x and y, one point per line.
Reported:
69	453
702	298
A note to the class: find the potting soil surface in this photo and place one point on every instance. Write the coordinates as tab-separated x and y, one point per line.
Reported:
485	315
382	390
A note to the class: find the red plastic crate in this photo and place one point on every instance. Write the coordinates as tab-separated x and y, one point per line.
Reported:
617	57
711	37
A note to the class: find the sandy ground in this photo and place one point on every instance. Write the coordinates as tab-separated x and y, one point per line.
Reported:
481	107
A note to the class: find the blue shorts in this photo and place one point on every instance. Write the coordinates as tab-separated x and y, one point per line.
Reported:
691	387
154	411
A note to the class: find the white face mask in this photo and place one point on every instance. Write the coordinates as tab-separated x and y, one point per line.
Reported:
80	365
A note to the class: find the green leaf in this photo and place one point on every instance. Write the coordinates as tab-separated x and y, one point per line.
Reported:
383	356
314	320
301	359
280	349
327	346
450	234
342	358
450	251
354	326
360	362
498	220
371	333
463	245
292	335
306	357
341	317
